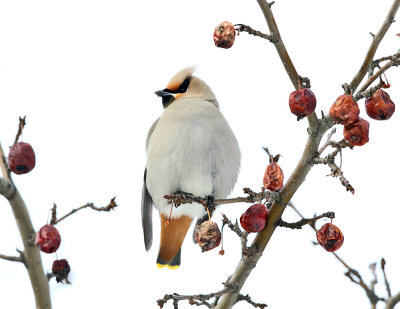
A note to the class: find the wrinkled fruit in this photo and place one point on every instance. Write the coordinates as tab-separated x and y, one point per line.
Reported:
254	218
224	35
302	102
21	158
345	110
61	270
330	237
273	177
48	238
357	134
380	106
207	235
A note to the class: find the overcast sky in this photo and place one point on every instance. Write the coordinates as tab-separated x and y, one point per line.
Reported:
84	74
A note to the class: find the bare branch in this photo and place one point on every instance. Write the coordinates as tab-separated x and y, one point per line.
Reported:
304	221
107	208
393	301
383	263
32	256
19	258
249	30
374	46
21	126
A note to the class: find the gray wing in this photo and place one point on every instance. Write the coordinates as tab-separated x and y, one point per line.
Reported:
147	204
147	213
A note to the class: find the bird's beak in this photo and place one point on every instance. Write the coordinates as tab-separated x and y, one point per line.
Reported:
162	93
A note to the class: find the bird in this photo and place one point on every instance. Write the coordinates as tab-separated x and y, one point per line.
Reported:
190	148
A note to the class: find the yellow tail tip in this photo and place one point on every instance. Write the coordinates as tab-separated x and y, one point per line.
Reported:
169	266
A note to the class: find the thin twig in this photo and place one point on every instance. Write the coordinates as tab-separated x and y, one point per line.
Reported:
249	30
299	224
383	263
374	46
328	141
54	219
21	126
19	258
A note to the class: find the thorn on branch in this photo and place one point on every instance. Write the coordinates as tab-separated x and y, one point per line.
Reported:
299	224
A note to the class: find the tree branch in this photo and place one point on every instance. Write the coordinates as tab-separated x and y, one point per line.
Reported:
19	258
107	208
374	46
31	253
299	224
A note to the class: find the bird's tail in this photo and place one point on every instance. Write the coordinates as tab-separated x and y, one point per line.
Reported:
172	235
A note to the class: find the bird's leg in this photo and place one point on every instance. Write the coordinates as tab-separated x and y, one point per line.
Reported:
210	206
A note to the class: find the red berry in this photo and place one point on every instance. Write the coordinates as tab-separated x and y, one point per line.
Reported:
21	158
330	237
345	110
302	102
224	35
254	218
48	238
207	235
357	133
380	106
61	270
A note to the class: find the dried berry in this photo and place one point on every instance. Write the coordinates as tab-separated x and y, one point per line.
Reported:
345	110
302	102
273	176
254	218
357	133
21	158
61	270
330	237
380	106
48	238
224	35
207	235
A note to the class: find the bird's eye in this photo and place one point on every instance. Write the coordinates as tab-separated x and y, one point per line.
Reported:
184	86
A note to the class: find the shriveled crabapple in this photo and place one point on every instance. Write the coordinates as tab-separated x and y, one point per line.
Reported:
61	270
224	35
48	238
207	235
345	110
302	102
21	158
357	133
330	237
379	106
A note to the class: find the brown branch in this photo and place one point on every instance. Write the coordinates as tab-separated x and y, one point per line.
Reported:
351	273
394	61
249	30
31	252
21	126
202	299
246	251
107	208
187	198
374	46
383	263
19	258
5	170
299	224
393	301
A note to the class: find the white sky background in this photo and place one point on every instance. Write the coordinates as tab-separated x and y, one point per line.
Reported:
84	73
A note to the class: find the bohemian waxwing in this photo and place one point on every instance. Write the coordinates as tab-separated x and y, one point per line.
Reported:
191	149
